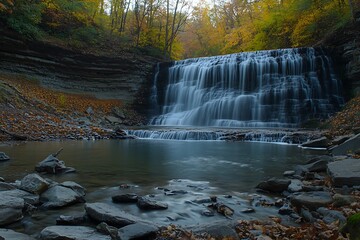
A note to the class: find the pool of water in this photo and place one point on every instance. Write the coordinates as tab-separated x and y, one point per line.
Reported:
199	168
228	166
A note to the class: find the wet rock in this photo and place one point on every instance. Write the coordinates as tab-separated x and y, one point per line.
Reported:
295	186
274	185
53	165
289	173
84	121
208	213
75	187
33	183
311	200
222	209
108	230
59	196
347	146
8	234
318	166
218	230
340	139
306	215
2	179
147	204
322	142
10	209
137	231
345	172
102	212
4	157
71	232
125	198
118	112
26	196
342	200
248	210
70	220
202	200
6	186
310	188
330	216
286	210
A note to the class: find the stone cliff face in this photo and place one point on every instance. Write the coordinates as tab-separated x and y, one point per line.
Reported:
346	51
70	71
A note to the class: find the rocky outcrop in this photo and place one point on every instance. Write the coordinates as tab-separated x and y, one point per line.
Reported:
55	67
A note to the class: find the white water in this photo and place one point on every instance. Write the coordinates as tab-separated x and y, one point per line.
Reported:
277	88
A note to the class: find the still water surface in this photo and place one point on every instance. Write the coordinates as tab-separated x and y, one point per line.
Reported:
230	166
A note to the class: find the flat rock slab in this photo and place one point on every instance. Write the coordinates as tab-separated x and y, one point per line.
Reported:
59	196
311	200
350	145
102	212
345	172
274	185
8	234
72	232
137	231
10	209
148	204
322	142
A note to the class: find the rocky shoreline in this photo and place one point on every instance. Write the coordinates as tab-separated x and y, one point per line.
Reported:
312	201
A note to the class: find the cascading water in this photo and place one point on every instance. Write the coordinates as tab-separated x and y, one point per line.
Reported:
276	88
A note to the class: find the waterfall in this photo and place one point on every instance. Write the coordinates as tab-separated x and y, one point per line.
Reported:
275	88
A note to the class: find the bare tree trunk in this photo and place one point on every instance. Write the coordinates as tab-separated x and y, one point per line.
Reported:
352	10
167	27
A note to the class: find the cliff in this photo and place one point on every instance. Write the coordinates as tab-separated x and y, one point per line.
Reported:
55	67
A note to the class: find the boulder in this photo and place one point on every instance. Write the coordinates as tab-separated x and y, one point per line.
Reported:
295	186
125	198
345	172
33	183
59	196
218	230
107	230
311	200
348	146
274	185
322	142
113	120
137	231
330	216
4	157
8	234
102	212
70	220
6	186
148	204
10	209
318	166
52	165
75	187
72	232
28	198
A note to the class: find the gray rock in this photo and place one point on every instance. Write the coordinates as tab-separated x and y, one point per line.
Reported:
89	110
342	200
202	200
75	187
6	186
289	173
274	185
248	210
348	146
346	172
2	179
59	196
306	214
71	233
148	204
113	120
84	121
4	157
318	166
311	200
125	198
322	142
8	234
286	210
330	216
341	139
295	186
118	112
26	196
108	230
70	220
102	212
33	183
218	230
52	165
137	231
10	209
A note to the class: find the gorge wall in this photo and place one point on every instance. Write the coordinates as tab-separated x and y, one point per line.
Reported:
63	69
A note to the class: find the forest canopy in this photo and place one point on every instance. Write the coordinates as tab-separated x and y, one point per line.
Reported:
178	28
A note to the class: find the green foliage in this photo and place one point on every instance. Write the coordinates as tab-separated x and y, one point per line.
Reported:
352	227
